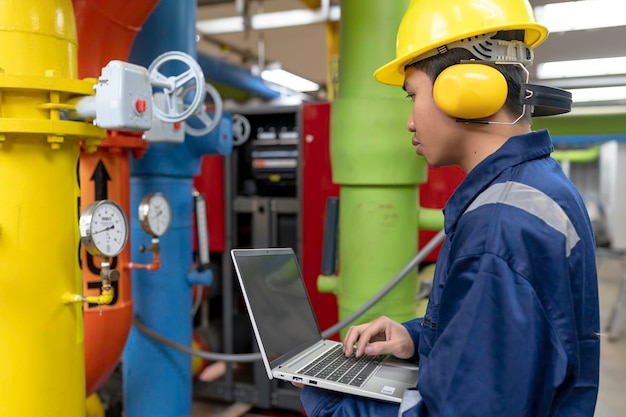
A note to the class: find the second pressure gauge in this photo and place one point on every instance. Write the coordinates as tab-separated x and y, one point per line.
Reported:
155	214
103	228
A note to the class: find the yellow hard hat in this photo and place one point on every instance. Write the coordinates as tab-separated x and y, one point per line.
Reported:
430	24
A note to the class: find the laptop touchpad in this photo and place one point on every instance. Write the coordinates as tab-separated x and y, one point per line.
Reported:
397	372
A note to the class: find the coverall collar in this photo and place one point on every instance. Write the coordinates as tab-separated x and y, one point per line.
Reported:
516	150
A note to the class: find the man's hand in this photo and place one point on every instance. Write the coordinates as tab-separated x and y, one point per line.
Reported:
377	337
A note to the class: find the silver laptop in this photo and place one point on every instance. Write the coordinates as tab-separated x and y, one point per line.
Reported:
289	337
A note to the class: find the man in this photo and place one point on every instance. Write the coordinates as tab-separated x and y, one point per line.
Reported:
512	320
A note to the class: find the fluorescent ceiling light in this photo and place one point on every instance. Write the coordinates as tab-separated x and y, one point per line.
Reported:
581	68
587	95
286	79
274	20
582	15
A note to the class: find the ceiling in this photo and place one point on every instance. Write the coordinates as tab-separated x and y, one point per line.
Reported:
303	51
299	49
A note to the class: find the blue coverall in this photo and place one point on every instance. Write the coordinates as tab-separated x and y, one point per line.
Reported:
511	327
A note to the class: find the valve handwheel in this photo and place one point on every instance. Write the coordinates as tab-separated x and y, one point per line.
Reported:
173	87
208	123
241	129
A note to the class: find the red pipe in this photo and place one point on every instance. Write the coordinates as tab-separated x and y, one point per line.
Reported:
106	31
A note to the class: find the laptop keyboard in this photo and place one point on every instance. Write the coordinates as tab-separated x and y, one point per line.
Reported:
334	366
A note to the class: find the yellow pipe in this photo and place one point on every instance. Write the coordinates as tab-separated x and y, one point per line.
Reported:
332	53
42	352
312	4
104	298
94	406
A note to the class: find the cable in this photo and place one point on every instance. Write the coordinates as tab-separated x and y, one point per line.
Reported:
253	357
197	301
432	244
235	357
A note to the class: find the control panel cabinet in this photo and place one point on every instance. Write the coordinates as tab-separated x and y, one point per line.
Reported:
276	182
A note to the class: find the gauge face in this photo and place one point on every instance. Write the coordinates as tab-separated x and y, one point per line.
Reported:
155	214
104	228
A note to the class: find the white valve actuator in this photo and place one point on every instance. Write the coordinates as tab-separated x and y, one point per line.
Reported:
123	99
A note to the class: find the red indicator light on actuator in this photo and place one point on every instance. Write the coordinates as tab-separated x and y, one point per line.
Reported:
140	106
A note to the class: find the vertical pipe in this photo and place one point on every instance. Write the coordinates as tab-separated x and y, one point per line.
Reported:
374	164
41	352
106	30
42	339
157	378
332	54
107	326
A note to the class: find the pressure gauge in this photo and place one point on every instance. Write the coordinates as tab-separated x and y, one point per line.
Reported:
155	214
103	228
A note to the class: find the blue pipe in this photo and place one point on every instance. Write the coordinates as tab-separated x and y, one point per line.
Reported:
184	160
232	76
162	29
157	378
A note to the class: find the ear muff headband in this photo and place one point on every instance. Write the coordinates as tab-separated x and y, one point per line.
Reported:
470	91
547	101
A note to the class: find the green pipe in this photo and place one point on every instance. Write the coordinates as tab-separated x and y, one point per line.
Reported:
375	165
378	233
578	155
583	124
327	284
430	219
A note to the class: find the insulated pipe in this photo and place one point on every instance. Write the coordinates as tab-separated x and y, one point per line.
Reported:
373	162
106	30
42	351
158	379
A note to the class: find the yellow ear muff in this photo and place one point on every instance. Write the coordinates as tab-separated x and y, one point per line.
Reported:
470	91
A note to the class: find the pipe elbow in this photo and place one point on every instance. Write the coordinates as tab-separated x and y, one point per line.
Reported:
105	298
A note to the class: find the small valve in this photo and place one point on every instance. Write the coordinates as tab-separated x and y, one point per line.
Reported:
113	275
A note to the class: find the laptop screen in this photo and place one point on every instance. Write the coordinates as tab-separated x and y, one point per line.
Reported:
274	288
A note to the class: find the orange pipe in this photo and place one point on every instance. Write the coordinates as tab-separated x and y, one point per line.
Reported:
106	31
156	263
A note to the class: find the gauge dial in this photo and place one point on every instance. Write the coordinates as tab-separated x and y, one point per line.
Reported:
103	228
155	214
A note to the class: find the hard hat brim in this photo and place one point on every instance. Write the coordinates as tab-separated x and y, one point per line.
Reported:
392	73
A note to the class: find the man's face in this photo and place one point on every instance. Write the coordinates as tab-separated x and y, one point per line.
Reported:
436	136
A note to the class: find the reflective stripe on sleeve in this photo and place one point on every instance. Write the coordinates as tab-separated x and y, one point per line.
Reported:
532	201
410	399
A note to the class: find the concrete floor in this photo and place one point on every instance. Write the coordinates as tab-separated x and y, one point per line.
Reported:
612	395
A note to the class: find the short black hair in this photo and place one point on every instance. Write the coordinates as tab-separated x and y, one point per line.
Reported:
514	75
